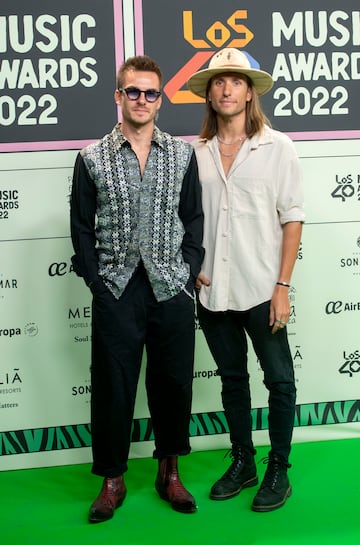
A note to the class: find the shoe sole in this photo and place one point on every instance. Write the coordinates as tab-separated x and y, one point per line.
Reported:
246	484
268	508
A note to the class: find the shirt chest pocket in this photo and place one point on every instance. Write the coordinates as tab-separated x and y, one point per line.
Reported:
250	198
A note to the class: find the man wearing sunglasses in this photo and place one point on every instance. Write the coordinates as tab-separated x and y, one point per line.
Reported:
136	226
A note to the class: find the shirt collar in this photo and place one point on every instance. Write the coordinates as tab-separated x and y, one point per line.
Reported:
120	139
262	138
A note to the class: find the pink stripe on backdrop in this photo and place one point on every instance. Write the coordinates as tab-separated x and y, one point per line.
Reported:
324	135
309	136
45	146
138	19
118	31
78	144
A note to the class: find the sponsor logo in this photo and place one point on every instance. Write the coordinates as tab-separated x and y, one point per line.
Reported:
337	307
297	359
10	378
351	363
85	339
10	332
292	297
232	33
352	262
347	187
81	390
60	268
206	373
31	329
80	317
7	285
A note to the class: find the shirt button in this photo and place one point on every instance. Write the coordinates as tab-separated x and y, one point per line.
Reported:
225	259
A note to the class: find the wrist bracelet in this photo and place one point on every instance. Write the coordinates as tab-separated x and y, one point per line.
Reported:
283	284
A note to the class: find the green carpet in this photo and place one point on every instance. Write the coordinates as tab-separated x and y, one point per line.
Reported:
49	506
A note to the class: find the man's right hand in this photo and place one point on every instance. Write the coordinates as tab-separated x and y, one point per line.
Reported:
202	281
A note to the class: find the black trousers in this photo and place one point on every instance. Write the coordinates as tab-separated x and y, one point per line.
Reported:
120	331
225	333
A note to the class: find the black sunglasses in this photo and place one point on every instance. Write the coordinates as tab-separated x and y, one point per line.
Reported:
133	93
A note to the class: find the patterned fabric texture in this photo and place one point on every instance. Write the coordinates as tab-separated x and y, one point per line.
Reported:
137	216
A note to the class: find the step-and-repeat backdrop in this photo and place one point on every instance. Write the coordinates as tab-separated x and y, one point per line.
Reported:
57	77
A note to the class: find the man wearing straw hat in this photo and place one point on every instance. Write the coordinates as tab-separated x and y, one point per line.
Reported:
253	207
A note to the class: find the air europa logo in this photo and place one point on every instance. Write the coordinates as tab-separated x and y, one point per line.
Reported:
336	307
60	268
219	35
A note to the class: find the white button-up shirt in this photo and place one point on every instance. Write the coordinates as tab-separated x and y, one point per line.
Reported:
244	213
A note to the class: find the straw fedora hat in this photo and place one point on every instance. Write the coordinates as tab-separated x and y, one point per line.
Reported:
230	59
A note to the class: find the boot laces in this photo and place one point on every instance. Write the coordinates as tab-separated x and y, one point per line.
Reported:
237	457
273	470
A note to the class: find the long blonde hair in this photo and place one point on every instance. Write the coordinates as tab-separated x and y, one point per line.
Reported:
254	121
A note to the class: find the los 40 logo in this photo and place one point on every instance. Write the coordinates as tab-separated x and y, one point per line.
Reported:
351	364
217	35
347	187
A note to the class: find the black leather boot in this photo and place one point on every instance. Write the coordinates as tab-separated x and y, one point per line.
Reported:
170	488
111	496
275	487
241	474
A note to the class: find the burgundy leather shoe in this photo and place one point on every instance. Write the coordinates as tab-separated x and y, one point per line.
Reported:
170	488
111	496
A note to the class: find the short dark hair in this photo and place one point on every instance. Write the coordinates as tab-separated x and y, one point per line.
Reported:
138	63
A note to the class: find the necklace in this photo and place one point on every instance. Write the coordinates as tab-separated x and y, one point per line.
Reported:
238	143
229	154
240	139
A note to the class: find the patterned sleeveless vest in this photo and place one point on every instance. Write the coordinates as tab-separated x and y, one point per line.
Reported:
137	217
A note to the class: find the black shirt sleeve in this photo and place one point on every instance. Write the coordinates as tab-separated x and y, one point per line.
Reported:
82	223
192	217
